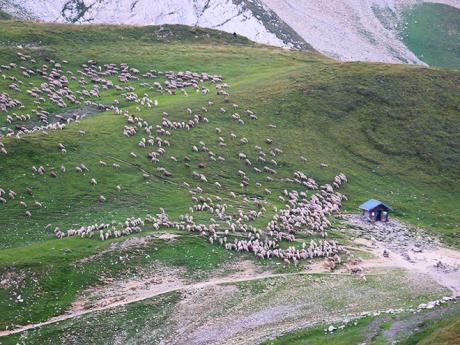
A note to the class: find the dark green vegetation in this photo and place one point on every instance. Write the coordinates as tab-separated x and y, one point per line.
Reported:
393	130
432	32
74	10
4	16
434	327
444	330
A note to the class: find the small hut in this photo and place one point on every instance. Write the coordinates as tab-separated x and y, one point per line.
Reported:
375	210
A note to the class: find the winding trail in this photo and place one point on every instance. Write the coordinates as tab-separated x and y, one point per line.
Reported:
164	289
419	262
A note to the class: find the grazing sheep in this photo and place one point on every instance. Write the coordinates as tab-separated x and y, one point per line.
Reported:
300	214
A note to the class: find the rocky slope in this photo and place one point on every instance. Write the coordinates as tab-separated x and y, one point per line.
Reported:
250	18
350	30
344	29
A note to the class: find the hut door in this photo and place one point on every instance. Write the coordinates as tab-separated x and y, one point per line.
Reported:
378	216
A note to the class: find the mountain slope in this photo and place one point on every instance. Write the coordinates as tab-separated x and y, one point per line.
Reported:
247	18
392	129
348	30
395	122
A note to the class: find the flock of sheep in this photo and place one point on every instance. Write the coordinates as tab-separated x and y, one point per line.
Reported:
230	212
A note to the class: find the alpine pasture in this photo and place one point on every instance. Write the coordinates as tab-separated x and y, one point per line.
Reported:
112	133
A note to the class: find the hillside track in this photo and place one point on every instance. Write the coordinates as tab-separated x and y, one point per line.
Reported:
422	264
165	289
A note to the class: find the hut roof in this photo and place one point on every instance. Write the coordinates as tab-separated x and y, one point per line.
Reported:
372	203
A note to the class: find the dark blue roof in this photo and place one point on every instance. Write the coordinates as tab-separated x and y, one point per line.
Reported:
372	203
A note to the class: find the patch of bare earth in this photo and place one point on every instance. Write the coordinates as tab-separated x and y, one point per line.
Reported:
408	248
157	280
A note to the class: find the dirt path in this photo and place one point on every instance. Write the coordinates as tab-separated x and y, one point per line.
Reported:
157	290
422	262
441	264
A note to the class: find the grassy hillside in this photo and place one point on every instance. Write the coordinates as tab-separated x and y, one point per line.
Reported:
393	130
432	32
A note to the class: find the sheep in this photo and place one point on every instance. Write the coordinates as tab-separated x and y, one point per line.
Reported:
93	181
299	213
